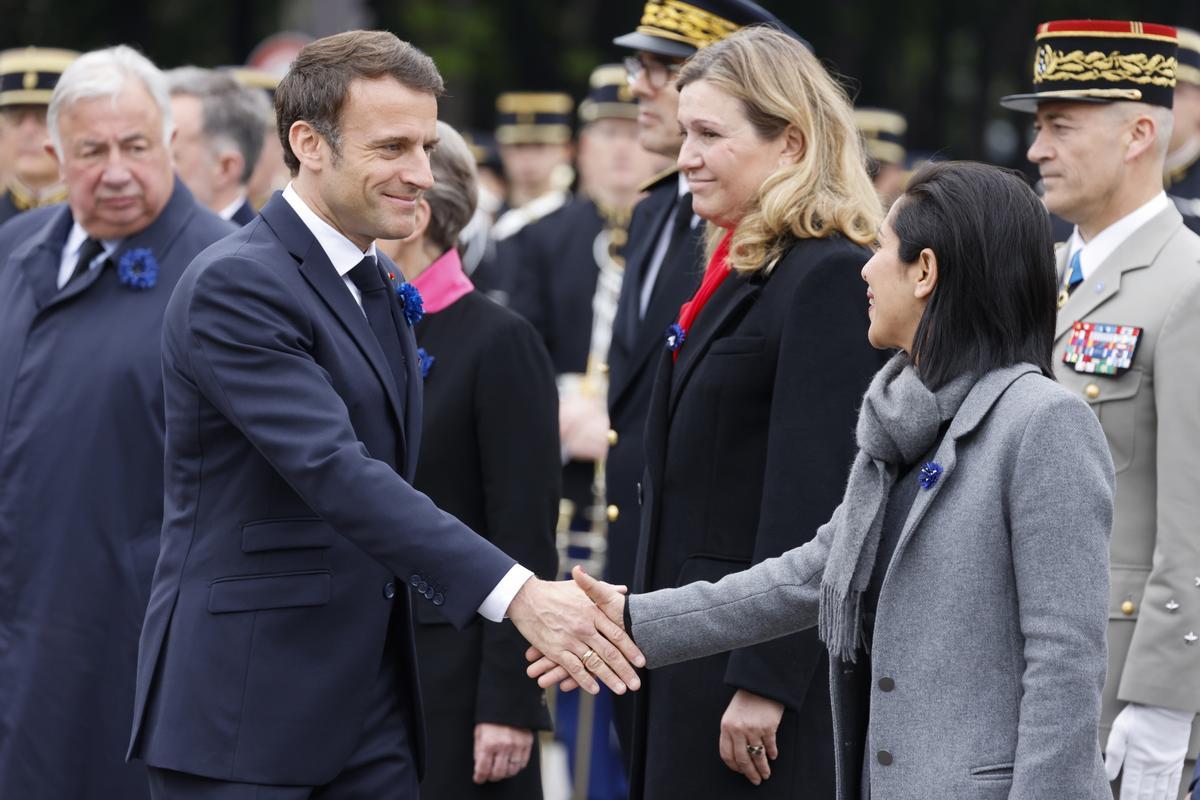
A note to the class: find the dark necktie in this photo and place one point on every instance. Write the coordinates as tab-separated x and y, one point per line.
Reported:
377	303
87	254
683	216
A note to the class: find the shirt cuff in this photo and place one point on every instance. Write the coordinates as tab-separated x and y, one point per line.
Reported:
495	605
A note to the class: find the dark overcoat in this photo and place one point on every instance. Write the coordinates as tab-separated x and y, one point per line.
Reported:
749	439
489	456
81	485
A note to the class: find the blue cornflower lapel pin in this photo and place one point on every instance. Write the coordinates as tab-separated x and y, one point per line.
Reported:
138	269
675	336
426	362
930	472
411	302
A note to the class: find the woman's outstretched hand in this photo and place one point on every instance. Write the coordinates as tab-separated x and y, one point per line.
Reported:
609	599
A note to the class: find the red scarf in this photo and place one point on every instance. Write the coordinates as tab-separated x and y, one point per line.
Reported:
714	275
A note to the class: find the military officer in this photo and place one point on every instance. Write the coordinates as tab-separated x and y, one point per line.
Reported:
1182	172
27	79
883	138
1125	340
533	132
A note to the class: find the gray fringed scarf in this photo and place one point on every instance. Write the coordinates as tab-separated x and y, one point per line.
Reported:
899	421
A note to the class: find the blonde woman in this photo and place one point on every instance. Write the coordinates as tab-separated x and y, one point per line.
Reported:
750	431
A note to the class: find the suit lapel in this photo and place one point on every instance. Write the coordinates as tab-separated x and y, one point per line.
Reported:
413	384
735	293
329	286
975	406
635	266
157	237
38	258
1136	252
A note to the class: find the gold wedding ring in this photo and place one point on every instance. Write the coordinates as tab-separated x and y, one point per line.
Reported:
755	750
591	661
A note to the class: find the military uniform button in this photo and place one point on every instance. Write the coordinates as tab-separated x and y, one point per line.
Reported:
1127	608
614	513
884	757
1190	638
1092	391
887	684
613	438
1172	606
389	590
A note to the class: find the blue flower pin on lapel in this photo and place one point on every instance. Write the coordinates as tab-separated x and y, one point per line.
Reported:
411	302
930	472
675	337
426	362
138	269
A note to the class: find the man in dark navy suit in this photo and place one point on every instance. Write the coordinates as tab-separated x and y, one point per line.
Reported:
83	286
277	652
220	126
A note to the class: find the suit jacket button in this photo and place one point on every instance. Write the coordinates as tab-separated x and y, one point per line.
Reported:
421	587
428	592
613	513
389	590
438	598
414	580
884	757
613	437
886	684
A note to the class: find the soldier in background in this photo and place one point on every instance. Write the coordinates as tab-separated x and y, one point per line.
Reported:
220	127
27	79
1181	173
533	133
568	269
883	138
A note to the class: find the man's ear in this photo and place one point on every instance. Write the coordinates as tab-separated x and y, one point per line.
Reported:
927	276
230	165
62	166
1142	135
307	145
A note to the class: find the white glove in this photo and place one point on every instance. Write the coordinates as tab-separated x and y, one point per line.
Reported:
1151	744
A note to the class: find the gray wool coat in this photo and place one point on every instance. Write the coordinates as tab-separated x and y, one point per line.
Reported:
989	643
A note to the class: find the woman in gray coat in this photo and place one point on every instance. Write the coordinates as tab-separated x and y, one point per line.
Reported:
962	585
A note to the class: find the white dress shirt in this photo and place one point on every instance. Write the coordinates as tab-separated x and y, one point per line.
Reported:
1105	243
660	249
70	253
345	256
228	211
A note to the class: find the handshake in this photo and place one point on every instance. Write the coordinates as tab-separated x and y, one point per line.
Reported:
577	634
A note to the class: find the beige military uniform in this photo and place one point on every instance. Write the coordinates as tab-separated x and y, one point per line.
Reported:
1151	416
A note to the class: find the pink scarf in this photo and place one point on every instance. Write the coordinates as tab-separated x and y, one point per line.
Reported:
443	282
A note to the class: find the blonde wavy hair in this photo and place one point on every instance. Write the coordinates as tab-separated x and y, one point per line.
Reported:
780	83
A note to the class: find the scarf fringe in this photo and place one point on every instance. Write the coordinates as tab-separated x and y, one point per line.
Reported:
839	621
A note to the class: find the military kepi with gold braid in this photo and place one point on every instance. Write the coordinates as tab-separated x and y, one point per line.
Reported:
28	75
1101	61
534	118
677	29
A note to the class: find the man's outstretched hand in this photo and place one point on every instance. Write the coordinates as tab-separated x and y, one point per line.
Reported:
573	635
608	599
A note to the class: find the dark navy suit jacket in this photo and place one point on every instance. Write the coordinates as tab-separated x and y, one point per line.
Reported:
288	511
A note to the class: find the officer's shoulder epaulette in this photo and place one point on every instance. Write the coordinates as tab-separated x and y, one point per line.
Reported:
659	179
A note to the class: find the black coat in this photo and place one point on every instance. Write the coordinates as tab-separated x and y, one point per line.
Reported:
749	439
489	456
81	497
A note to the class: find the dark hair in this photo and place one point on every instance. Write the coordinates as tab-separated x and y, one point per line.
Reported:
316	86
994	304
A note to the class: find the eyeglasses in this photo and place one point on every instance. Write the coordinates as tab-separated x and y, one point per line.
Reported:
657	73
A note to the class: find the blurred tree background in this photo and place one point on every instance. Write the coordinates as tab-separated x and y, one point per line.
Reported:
943	63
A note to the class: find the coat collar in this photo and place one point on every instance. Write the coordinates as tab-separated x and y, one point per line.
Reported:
975	407
40	256
1136	252
321	275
